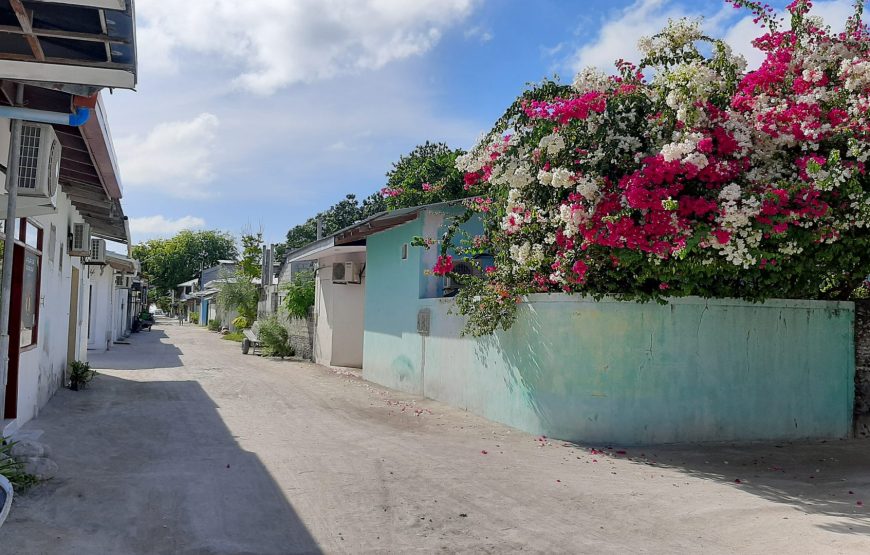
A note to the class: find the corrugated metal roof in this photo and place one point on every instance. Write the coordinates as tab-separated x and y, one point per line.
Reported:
78	46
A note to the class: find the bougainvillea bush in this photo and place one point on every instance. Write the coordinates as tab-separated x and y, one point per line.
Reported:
685	174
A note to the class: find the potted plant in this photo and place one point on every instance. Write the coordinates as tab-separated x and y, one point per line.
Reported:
80	373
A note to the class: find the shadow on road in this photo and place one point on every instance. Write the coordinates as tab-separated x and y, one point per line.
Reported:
150	467
146	350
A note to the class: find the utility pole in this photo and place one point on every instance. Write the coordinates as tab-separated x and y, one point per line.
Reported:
9	250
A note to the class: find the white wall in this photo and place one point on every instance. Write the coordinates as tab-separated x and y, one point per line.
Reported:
339	310
42	367
102	307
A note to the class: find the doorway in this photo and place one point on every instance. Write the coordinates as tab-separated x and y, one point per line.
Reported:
72	336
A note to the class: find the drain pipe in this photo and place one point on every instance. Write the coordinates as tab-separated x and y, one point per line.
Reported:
76	119
17	114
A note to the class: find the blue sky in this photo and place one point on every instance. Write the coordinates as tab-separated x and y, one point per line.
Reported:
260	114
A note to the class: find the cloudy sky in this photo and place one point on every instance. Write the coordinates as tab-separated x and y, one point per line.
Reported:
259	114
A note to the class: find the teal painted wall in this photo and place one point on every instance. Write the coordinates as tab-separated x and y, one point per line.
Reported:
618	372
393	287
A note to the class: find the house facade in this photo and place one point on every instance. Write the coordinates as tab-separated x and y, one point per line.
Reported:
56	150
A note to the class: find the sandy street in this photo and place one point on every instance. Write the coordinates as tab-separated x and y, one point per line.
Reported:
184	445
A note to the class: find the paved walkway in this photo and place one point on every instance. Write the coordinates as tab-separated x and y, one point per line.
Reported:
184	445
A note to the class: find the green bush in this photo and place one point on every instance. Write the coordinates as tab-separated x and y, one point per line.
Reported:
300	294
194	318
214	325
237	336
241	322
80	373
274	338
13	469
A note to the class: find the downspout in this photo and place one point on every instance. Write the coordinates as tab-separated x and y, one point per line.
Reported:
17	114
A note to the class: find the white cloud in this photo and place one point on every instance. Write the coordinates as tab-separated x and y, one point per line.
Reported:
161	226
275	43
481	34
617	37
740	35
175	158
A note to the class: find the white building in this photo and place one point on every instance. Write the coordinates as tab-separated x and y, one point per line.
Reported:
61	298
338	302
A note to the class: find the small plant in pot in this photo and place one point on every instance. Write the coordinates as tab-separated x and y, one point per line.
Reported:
80	373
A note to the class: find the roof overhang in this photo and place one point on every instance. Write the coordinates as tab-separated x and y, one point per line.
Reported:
77	46
89	172
121	263
322	249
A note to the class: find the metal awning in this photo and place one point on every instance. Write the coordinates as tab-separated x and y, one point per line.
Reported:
78	46
122	263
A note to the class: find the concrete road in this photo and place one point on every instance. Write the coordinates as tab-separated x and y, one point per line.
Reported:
184	445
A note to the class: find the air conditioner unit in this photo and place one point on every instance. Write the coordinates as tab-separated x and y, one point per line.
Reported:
80	240
450	286
345	272
98	251
38	170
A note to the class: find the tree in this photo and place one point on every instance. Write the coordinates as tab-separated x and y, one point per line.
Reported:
425	175
252	255
168	262
336	217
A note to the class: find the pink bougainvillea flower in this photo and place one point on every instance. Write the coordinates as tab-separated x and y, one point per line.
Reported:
443	266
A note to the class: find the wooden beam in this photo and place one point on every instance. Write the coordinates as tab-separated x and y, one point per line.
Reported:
85	191
66	62
24	19
84	167
84	176
55	34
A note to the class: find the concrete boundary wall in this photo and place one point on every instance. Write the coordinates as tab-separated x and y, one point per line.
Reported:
630	373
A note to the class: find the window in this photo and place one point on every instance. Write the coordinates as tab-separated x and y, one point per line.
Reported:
26	274
29	299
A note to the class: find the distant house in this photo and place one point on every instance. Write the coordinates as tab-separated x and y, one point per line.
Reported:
183	300
341	270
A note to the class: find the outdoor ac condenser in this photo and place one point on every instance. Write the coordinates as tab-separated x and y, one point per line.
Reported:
98	251
345	272
80	239
38	170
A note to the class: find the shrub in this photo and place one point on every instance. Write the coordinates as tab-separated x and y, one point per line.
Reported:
239	293
241	322
274	338
80	373
214	325
13	469
683	175
237	336
194	318
300	294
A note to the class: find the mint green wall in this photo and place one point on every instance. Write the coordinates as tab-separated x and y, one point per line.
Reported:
393	289
620	372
